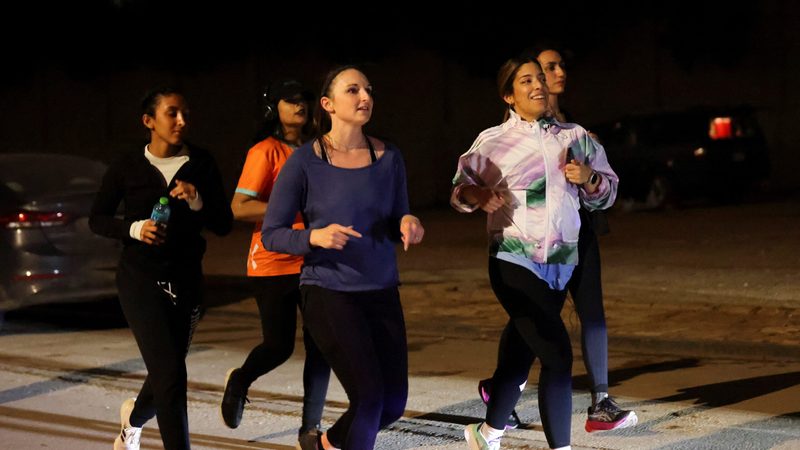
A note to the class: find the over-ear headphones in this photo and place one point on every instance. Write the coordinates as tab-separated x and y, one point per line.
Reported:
269	106
288	90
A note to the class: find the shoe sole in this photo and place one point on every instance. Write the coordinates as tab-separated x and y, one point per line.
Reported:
629	421
473	445
124	416
225	386
124	413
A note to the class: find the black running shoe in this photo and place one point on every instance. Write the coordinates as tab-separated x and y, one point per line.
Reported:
233	400
607	415
309	440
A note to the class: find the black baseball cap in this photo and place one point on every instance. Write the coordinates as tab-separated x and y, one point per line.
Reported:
290	91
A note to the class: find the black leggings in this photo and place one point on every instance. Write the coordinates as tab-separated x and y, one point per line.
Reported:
163	328
587	294
536	330
363	337
278	298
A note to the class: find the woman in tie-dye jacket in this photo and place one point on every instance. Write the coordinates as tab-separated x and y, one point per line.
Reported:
530	174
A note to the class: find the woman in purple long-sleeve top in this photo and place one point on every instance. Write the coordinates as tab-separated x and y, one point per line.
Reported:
351	192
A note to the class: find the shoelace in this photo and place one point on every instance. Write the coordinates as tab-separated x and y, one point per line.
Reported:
610	405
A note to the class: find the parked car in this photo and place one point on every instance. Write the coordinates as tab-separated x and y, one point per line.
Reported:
47	252
712	153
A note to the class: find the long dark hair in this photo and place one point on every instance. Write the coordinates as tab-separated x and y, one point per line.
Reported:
507	74
322	119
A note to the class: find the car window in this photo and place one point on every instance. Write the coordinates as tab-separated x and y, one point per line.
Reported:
32	175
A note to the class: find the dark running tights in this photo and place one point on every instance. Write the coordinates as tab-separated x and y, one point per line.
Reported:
363	337
163	331
278	298
535	330
586	291
587	294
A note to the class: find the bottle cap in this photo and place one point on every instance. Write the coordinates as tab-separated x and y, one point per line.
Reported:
163	200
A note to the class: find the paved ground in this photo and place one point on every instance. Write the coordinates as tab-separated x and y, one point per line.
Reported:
702	307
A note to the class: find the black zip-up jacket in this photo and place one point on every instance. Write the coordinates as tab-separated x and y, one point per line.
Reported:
134	181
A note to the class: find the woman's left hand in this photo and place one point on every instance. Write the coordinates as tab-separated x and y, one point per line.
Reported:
184	191
577	172
411	230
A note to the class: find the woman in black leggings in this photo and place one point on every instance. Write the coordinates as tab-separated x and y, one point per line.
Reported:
275	276
351	191
529	174
159	277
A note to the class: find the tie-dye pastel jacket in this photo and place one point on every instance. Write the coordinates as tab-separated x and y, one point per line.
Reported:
524	162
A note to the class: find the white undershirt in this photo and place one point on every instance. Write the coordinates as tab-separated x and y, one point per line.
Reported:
168	167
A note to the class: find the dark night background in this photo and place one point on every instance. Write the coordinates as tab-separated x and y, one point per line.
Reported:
74	72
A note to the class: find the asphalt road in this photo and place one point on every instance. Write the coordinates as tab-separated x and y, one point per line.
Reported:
702	307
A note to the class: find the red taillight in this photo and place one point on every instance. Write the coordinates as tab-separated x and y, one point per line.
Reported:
720	128
28	276
30	219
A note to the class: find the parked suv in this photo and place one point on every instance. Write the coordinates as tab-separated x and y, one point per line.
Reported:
713	153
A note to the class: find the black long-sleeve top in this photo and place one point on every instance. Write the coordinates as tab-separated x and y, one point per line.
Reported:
133	181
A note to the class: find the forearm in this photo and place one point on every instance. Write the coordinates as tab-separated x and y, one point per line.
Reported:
600	192
248	209
286	240
110	226
102	218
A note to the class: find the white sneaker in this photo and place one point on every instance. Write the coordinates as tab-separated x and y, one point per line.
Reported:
129	437
476	441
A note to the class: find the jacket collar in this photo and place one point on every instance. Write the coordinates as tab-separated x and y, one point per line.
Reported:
546	123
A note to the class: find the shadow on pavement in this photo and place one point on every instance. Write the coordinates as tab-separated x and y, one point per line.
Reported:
617	376
716	395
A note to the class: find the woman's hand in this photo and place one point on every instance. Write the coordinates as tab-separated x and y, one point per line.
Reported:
184	191
487	199
411	231
581	174
333	236
152	233
577	172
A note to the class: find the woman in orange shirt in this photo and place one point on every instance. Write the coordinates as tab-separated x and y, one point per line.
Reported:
275	276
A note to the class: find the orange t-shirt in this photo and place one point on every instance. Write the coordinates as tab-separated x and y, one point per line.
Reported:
264	162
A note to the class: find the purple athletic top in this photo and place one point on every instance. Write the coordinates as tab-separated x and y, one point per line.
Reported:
372	199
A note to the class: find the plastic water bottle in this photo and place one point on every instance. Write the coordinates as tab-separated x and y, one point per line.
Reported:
161	212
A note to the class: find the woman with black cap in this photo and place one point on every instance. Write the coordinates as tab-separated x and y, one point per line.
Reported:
275	276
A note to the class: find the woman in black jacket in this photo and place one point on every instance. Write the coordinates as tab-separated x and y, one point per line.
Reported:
159	277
